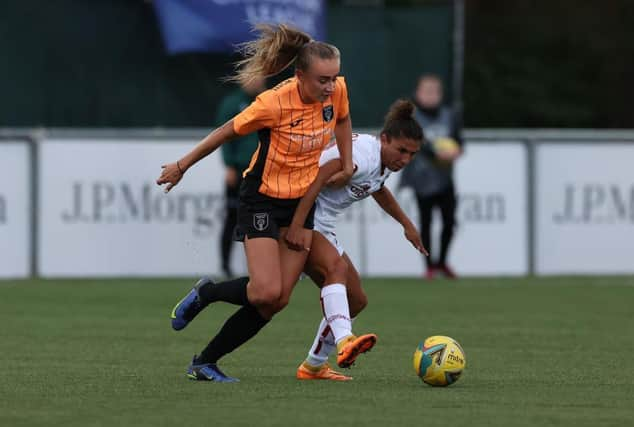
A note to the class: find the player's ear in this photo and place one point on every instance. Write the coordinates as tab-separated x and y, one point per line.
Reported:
384	138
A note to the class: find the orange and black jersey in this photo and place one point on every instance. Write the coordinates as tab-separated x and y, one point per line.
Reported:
291	136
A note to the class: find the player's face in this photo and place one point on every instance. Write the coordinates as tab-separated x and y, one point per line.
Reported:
396	153
318	82
429	93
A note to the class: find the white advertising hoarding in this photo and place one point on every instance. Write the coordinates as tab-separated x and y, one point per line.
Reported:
585	208
15	210
102	214
492	214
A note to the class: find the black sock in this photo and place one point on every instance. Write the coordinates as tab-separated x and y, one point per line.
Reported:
232	291
238	329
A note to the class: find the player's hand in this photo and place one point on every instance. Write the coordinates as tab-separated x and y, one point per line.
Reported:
339	179
412	234
448	156
170	175
297	238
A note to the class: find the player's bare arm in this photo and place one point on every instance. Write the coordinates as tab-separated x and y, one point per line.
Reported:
388	203
172	173
343	135
294	236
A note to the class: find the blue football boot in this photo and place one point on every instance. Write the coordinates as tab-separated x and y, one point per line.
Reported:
208	372
189	307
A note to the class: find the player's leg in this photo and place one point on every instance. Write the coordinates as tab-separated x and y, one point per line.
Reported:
231	220
291	265
325	257
263	294
315	366
262	227
357	299
233	291
273	270
324	343
204	292
259	222
425	206
326	267
447	204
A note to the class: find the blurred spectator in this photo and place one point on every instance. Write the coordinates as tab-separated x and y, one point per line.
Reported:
430	175
236	156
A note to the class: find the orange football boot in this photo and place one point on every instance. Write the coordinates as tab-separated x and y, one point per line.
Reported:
349	348
304	372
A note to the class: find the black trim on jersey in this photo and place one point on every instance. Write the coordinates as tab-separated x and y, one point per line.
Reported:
254	176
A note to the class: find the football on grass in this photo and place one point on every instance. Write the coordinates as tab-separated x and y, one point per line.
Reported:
439	360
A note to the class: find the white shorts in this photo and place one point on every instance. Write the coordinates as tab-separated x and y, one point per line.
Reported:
330	235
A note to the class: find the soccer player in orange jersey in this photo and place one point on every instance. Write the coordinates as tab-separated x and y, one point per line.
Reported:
294	121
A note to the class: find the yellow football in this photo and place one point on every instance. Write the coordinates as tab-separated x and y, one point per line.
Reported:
439	360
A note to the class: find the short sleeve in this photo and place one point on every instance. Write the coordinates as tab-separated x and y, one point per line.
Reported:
342	106
258	115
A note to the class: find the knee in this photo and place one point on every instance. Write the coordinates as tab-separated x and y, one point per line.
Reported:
268	297
337	271
274	306
265	294
281	303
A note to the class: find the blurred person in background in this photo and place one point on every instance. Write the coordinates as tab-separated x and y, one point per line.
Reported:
430	175
236	157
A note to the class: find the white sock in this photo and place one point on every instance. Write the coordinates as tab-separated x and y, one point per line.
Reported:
323	345
334	300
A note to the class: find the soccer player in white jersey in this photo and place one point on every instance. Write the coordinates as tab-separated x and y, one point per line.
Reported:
374	159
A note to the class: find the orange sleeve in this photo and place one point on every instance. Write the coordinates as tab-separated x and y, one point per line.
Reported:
341	100
258	115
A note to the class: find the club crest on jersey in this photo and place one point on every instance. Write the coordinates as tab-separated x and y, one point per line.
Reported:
328	112
261	221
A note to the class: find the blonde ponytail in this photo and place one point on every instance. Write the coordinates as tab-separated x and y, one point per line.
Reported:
276	48
272	52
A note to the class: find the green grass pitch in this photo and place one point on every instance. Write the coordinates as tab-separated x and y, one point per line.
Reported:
540	352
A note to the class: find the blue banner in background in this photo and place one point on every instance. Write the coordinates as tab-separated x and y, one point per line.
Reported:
218	25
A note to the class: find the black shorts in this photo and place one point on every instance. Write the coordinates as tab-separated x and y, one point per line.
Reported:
260	215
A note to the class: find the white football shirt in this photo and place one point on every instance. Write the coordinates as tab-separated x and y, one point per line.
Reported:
367	178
